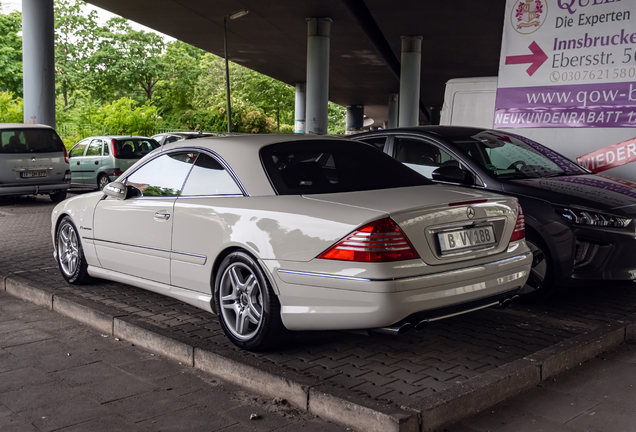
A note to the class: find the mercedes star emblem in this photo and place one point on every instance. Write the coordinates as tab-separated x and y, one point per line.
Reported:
470	212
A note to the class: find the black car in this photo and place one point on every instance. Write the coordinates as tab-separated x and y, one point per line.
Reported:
580	226
168	137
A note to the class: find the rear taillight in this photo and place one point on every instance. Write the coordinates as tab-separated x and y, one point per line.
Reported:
67	176
112	143
378	241
519	232
65	154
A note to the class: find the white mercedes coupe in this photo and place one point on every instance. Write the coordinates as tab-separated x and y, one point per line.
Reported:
280	233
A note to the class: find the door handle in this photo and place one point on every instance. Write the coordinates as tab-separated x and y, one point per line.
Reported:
163	216
78	162
96	162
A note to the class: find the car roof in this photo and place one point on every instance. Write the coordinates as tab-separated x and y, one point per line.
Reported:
23	126
242	153
441	131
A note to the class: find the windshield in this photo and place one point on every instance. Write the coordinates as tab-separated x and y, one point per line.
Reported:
313	167
134	148
512	156
36	140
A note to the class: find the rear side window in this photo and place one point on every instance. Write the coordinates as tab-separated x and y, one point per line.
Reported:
312	167
208	177
134	148
30	141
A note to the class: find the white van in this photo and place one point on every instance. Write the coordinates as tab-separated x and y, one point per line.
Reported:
471	102
33	160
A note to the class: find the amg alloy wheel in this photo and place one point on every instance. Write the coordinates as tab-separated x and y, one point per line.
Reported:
248	308
70	255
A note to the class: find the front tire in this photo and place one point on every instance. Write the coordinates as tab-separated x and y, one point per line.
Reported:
248	309
70	255
540	285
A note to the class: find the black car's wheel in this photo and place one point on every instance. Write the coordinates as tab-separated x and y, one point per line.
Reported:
540	284
102	181
58	196
70	255
248	308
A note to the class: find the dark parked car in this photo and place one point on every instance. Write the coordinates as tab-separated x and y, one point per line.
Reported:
168	137
579	225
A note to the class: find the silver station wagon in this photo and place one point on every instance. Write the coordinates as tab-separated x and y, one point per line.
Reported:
96	161
33	160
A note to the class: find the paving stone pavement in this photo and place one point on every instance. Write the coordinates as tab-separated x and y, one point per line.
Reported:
392	370
59	375
599	395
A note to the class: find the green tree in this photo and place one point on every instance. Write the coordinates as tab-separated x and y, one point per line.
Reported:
127	61
75	42
174	95
11	108
11	53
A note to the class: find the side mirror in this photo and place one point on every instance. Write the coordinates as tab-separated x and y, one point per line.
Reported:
115	190
452	174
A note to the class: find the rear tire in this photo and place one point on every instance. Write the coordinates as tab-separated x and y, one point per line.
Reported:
58	196
248	309
102	181
70	255
540	285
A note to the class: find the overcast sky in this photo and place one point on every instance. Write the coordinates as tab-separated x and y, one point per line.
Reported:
103	15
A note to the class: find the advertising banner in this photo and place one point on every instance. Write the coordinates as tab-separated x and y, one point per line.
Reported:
567	64
609	157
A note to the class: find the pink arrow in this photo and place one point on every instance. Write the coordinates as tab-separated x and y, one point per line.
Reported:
537	58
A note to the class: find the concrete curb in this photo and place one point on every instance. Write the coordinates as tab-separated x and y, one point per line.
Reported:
331	403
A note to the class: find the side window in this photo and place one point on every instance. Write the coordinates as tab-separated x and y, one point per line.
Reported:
377	142
163	176
208	177
422	156
94	148
78	150
106	148
172	138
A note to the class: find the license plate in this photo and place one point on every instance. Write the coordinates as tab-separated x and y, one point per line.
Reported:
30	174
467	238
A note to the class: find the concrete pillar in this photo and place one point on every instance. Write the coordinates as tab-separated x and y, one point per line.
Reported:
318	37
38	61
410	81
299	115
393	111
354	119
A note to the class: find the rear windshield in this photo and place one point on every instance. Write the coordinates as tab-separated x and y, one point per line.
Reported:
30	141
134	148
333	166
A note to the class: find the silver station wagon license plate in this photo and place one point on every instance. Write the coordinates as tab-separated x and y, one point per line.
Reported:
450	241
30	174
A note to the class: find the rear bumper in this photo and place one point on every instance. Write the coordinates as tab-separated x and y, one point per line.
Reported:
6	190
329	302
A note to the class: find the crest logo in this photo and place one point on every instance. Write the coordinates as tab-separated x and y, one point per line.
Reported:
470	212
529	15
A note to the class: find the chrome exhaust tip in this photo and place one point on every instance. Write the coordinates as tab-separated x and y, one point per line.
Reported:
421	326
505	303
397	330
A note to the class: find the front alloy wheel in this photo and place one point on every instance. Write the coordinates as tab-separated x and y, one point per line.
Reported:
70	256
540	285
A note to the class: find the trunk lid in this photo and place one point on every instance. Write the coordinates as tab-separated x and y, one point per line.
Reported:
443	223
